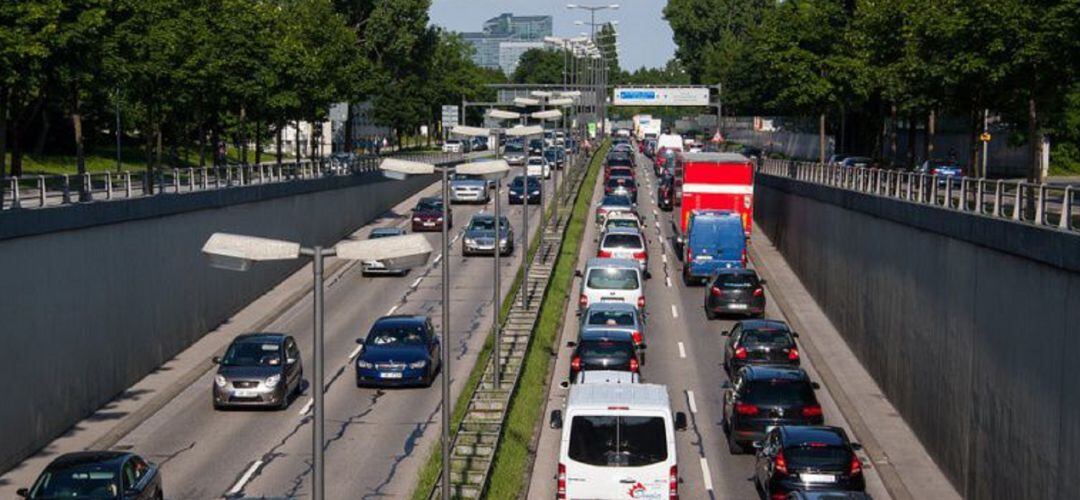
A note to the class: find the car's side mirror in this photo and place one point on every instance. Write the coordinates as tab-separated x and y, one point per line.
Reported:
216	360
680	421
360	340
795	334
564	384
763	282
725	384
815	385
643	347
556	419
23	492
290	361
856	446
571	343
578	273
725	333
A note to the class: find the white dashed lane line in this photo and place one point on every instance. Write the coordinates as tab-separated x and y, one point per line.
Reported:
674	311
393	309
705	473
355	352
307	407
690	400
682	350
667	281
416	283
239	486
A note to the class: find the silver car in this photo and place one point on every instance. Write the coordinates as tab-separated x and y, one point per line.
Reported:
480	236
465	189
258	369
376	267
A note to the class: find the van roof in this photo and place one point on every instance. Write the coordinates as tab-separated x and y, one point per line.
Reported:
715	157
600	396
605	262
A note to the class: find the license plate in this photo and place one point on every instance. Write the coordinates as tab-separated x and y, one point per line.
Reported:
737	306
429	224
390	375
242	393
817	478
703	257
610	299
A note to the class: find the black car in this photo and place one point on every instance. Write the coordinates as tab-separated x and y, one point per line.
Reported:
258	369
665	193
827	495
600	349
735	291
804	458
556	157
760	397
516	191
619	159
622	185
759	342
97	474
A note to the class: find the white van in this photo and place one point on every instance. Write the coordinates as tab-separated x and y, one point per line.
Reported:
618	441
670	141
611	280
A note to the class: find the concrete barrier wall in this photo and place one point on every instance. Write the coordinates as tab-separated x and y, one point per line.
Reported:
99	295
971	326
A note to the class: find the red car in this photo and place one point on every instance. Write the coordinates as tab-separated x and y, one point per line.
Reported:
427	215
618	171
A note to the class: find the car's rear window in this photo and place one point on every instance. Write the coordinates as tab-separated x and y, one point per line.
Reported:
818	455
611	318
622	241
737	280
777	392
613	279
620	201
766	337
617	441
616	181
630	223
617	351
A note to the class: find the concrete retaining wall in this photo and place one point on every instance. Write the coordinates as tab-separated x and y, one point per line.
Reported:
969	325
99	295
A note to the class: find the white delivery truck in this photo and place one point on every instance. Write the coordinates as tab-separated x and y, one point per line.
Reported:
618	441
670	141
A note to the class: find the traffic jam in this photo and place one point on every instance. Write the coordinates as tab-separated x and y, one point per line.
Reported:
668	259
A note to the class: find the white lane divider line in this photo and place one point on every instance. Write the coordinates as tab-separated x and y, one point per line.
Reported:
655	213
705	473
391	311
674	311
663	257
690	399
307	407
416	283
355	352
239	486
667	281
439	257
682	350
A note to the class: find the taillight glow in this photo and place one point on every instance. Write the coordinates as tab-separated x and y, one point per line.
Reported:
636	335
673	483
716	291
583	301
561	492
641	302
811	411
856	465
640	255
740	353
793	354
744	257
780	463
634	366
758	292
603	254
746	409
575	364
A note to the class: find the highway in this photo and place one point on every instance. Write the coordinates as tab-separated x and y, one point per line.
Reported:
377	440
685	352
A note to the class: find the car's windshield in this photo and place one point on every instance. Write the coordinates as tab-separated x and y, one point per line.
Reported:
533	160
613	279
631	223
465	177
393	335
616	181
733	280
429	205
513	147
517	182
818	455
90	481
615	441
484	224
384	234
629	241
778	392
252	354
611	318
614	351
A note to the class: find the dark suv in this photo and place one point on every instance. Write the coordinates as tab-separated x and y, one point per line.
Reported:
759	342
802	458
735	291
760	397
601	349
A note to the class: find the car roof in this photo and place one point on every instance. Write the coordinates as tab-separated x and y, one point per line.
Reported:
603	262
754	324
620	196
387	230
621	215
400	319
771	372
798	434
601	396
610	306
78	458
260	337
599	332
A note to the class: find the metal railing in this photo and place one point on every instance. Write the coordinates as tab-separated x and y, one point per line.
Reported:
41	191
1046	205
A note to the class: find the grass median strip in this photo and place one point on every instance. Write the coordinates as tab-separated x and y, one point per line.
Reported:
508	476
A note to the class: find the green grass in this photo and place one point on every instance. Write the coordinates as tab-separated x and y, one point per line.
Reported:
527	405
104	160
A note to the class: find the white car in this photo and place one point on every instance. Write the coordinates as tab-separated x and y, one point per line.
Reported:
618	441
613	220
452	146
607	377
537	166
611	280
624	243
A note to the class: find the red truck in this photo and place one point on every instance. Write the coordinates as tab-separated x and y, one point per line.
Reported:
713	181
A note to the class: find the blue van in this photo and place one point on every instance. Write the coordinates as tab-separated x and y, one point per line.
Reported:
716	241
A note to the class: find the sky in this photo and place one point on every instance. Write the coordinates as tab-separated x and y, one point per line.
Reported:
645	38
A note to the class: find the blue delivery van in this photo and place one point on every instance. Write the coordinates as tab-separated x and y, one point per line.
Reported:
715	241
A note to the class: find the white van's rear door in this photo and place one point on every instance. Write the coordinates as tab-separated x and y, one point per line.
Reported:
613	456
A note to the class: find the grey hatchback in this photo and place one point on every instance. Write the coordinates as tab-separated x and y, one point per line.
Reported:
258	369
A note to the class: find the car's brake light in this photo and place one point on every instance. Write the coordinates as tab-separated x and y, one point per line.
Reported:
744	257
636	335
673	483
934	172
640	255
758	292
740	353
793	354
641	302
575	364
856	465
811	411
716	291
634	365
583	301
746	409
780	463
561	492
603	254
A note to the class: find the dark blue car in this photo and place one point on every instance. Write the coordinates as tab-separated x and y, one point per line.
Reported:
715	241
517	190
398	351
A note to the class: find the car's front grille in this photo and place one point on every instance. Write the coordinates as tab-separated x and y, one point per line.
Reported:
389	366
245	384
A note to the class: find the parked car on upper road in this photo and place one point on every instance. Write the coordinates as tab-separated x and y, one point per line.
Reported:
453	146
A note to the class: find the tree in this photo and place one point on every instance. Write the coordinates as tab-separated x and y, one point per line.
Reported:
25	31
539	66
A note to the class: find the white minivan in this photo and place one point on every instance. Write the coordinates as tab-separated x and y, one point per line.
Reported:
611	280
618	441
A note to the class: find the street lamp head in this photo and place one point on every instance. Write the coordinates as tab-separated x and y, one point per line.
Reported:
470	131
571	6
236	252
396	169
488	170
394	252
526	101
500	114
541	93
564	101
551	114
570	93
525	131
613	6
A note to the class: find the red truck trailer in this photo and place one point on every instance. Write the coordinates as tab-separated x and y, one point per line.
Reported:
713	181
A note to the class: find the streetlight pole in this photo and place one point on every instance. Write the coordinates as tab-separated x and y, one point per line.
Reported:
118	166
445	350
318	481
496	304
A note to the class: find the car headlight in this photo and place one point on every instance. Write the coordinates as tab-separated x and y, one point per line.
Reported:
536	192
470	242
418	364
439	219
364	364
272	381
220	381
416	219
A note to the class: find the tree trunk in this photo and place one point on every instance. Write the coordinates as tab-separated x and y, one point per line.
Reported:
43	133
243	135
975	128
258	142
1035	144
892	133
821	138
280	133
311	137
148	148
157	144
80	153
928	136
215	145
202	146
841	145
3	129
16	149
298	149
910	156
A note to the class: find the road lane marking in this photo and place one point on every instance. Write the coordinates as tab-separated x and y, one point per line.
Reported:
391	311
690	399
239	486
355	351
655	213
674	311
667	281
439	257
705	473
664	257
416	283
307	407
682	350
